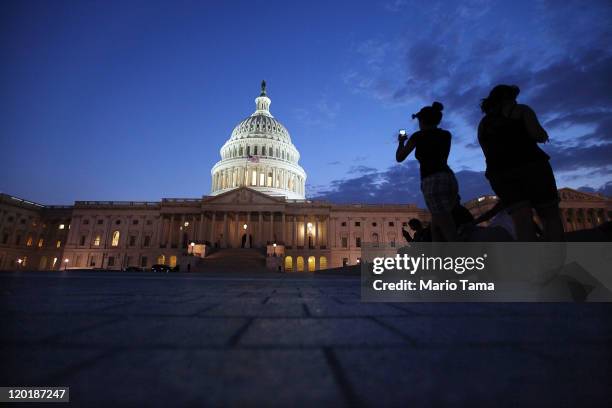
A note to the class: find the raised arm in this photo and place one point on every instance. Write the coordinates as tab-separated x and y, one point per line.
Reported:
404	149
534	129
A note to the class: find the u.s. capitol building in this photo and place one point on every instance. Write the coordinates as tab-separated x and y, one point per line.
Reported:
257	205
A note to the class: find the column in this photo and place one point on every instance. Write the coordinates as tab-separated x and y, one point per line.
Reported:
182	228
327	241
271	226
294	232
305	236
169	233
225	229
201	227
212	228
284	227
316	232
260	230
237	237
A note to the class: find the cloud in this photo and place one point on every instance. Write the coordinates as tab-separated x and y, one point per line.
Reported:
397	184
561	58
605	190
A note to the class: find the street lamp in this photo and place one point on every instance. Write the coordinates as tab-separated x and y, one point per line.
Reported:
20	261
309	225
274	245
192	246
66	263
244	226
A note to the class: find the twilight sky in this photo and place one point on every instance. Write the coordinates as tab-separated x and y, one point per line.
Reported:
131	100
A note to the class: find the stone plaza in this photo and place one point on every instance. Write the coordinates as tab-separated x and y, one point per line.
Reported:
240	339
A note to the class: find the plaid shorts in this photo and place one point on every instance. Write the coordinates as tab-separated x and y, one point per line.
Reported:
440	191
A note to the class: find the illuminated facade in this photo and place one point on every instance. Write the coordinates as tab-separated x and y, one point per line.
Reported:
256	202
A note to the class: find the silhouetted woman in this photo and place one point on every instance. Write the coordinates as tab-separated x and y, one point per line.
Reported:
518	170
438	183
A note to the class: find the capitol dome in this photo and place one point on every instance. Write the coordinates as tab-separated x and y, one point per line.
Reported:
259	154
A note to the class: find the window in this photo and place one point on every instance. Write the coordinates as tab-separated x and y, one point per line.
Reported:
18	240
29	241
311	264
143	262
97	241
118	222
147	241
344	242
391	224
41	242
343	223
133	240
22	221
82	240
92	261
322	262
115	240
357	223
134	222
5	238
358	242
58	243
54	263
344	261
288	264
61	226
374	224
100	222
85	222
149	222
111	261
300	264
255	151
11	218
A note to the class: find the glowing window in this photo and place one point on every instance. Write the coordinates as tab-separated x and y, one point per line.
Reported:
115	240
311	264
97	241
61	226
300	264
41	242
29	241
58	244
288	264
323	262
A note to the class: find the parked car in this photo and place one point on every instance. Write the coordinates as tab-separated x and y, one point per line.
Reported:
161	268
132	269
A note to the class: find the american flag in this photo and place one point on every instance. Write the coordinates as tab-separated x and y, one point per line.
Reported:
253	159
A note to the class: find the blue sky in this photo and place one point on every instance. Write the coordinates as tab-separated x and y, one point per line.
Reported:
113	100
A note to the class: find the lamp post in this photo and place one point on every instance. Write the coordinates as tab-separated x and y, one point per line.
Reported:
66	263
192	245
19	261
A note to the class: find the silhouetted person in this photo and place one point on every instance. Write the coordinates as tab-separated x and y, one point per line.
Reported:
421	234
438	182
518	170
460	214
244	237
189	267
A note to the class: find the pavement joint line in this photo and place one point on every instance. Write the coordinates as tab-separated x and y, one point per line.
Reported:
233	341
351	398
266	300
64	374
55	337
392	329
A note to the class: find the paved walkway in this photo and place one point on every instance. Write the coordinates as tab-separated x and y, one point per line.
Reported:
291	340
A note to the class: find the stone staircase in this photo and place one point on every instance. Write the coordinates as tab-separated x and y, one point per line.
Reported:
232	260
